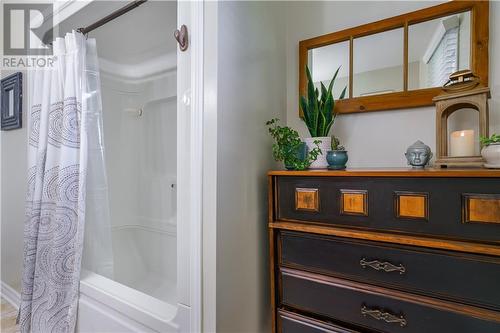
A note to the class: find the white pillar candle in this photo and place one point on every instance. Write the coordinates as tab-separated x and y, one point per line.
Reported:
462	143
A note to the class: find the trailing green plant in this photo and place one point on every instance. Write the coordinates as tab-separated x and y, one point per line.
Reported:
319	110
336	144
287	145
485	141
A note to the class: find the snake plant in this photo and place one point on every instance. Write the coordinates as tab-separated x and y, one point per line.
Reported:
318	111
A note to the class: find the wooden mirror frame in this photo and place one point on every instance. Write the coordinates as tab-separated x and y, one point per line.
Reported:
406	98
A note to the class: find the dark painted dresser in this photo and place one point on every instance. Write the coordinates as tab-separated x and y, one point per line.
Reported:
414	251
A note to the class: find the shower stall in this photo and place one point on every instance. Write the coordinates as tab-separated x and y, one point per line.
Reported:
129	278
142	190
137	259
139	133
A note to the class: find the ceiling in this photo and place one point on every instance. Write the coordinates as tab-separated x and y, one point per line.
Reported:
138	36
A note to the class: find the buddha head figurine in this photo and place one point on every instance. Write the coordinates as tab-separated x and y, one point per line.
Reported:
418	154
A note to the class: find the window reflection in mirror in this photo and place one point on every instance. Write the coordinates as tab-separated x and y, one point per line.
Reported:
378	63
438	48
324	62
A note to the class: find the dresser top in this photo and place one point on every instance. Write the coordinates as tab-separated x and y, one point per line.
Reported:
393	172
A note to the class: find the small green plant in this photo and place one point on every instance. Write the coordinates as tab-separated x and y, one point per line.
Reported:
287	146
336	144
319	114
485	141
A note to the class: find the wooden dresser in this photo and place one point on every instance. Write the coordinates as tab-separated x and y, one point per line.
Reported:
414	251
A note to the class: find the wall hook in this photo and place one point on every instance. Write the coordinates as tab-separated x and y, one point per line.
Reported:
182	37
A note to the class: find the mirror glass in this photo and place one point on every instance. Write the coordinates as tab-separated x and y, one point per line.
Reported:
324	62
10	97
378	63
438	48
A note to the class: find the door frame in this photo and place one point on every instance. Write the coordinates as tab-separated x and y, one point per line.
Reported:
190	97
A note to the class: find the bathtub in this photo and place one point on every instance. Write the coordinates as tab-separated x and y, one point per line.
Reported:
107	306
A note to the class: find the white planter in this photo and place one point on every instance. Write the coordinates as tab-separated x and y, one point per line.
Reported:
491	155
325	146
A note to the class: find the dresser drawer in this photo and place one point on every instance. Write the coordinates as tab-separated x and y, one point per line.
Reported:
289	322
468	278
379	308
459	208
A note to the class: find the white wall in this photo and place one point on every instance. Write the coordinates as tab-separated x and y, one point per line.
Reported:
13	183
250	70
377	139
250	66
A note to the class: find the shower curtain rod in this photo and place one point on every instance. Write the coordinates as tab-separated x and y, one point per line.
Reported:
112	16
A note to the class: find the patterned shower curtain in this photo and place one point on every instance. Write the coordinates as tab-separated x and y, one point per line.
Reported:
62	108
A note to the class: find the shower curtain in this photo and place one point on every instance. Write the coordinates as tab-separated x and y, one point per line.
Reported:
64	115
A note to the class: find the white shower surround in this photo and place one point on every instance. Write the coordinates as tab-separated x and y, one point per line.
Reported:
140	149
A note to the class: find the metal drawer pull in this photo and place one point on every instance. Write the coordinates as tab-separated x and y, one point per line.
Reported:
385	316
382	266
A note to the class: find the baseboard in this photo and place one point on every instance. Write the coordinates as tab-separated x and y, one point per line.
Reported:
10	294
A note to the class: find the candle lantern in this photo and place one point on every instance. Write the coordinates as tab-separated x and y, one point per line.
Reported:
458	148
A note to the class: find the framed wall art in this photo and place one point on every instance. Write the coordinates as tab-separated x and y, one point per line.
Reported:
11	101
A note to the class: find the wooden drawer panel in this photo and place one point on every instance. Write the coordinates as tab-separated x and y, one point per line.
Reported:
456	276
463	208
289	322
380	309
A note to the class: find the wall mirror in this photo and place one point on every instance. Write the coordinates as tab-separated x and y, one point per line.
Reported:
402	61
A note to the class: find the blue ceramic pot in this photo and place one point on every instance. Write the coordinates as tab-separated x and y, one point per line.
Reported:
336	159
301	154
